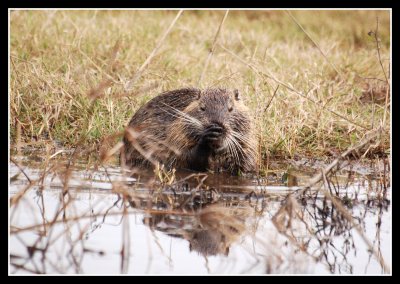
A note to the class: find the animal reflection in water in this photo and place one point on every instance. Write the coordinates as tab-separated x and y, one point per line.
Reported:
208	221
210	231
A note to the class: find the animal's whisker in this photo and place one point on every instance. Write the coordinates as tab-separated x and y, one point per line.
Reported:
232	147
238	147
197	124
183	115
245	140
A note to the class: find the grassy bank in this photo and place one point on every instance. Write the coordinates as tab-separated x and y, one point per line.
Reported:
330	93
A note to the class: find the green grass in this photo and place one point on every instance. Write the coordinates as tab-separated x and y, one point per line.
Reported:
58	57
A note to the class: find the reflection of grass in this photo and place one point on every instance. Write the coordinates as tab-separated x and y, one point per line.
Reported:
58	58
318	220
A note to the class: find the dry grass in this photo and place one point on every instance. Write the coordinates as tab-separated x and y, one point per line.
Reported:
74	73
316	81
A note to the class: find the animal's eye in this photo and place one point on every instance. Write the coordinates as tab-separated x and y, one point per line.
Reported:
202	107
230	108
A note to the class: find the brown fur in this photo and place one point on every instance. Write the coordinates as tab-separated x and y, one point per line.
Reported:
192	129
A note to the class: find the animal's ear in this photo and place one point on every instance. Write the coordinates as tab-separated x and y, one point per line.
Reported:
236	94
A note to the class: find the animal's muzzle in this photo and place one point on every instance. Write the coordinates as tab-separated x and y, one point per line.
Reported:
214	135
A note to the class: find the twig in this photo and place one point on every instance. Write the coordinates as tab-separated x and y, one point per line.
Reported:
19	266
321	176
153	53
111	78
313	41
270	101
126	244
378	48
338	205
210	54
15	198
318	177
85	216
21	169
270	76
189	177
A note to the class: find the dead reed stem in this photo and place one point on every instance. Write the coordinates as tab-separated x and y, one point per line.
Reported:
20	168
270	76
378	49
210	54
85	216
316	45
153	53
337	162
321	176
339	206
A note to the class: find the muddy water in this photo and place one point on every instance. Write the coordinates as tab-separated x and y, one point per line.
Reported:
98	221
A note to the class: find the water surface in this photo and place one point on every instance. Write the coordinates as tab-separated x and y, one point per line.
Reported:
99	221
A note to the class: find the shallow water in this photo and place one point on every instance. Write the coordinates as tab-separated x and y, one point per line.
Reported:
101	222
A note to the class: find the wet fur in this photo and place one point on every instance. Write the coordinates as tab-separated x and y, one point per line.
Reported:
173	129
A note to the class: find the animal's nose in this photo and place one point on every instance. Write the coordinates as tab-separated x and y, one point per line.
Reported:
217	123
217	127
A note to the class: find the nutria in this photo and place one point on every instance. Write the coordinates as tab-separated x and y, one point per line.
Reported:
192	129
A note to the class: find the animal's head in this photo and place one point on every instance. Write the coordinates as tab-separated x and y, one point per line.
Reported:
220	118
